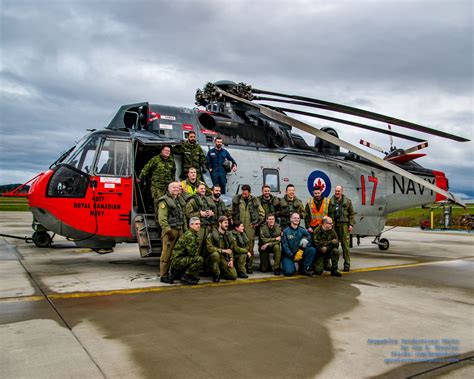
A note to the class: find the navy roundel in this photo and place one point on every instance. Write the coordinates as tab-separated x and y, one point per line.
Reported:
319	178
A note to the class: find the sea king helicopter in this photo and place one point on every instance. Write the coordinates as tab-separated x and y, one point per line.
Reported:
91	196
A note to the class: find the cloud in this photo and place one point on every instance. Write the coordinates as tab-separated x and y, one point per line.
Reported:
67	67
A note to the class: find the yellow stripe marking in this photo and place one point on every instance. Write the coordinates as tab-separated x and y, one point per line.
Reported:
77	295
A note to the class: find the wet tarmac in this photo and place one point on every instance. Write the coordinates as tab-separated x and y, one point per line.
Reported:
69	312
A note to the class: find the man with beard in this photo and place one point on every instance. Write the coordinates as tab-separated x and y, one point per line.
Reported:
193	156
218	162
217	205
327	244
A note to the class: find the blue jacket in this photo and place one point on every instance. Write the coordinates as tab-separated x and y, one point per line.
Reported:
291	239
215	158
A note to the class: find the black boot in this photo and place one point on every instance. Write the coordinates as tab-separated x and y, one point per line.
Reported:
307	271
242	275
336	273
188	279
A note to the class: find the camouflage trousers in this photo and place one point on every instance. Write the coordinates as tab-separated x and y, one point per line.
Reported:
190	265
343	234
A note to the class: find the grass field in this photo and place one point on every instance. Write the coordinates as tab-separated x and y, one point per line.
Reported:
416	216
14	204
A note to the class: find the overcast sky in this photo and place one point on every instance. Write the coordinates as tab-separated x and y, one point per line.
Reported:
66	66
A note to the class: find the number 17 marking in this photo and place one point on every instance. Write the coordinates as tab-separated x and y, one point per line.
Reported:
372	179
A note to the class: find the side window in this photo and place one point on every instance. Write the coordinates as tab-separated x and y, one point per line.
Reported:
83	157
271	178
67	182
114	159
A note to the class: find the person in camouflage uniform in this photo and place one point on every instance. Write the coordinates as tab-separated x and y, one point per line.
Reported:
220	247
241	251
270	236
185	256
327	247
290	204
342	212
161	170
270	203
247	208
171	220
200	206
193	156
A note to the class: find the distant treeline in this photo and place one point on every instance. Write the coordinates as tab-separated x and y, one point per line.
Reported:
10	187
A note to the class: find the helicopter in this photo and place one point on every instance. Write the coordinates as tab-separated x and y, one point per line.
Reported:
91	194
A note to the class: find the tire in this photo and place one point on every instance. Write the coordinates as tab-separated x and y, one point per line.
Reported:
384	244
42	239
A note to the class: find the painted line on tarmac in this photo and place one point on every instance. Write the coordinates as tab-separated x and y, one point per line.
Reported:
78	295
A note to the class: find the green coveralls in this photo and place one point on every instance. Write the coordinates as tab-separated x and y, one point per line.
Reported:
217	260
268	236
240	250
342	214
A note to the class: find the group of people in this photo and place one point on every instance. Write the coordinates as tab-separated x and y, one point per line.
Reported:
201	236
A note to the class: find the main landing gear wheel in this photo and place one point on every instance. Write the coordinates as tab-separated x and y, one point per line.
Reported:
383	244
42	239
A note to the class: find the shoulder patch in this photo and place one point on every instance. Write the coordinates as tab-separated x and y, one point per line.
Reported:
163	206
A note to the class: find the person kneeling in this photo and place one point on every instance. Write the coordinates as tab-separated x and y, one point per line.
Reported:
185	256
325	240
220	252
296	238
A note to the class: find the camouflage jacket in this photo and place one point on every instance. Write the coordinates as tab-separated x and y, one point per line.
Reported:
186	246
193	156
161	171
323	238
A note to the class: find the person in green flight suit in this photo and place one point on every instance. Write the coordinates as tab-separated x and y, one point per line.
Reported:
342	212
193	156
247	208
270	237
241	251
220	252
172	222
185	256
327	247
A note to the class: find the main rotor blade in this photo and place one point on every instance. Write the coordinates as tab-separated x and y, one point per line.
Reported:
416	148
277	116
372	146
352	123
366	114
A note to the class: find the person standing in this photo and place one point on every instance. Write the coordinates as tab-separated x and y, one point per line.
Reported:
270	236
270	203
327	247
171	220
296	238
316	209
185	256
193	156
342	212
219	162
161	170
247	208
290	204
220	248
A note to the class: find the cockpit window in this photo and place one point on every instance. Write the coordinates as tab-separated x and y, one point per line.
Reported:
114	159
82	156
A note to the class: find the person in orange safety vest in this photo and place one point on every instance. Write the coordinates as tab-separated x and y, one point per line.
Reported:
316	209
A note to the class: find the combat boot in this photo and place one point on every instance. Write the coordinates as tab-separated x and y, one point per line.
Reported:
277	272
216	278
307	271
347	268
336	273
188	279
242	275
